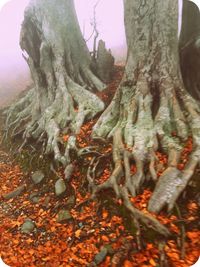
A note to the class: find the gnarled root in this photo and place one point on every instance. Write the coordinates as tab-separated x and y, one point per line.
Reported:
145	131
115	182
37	117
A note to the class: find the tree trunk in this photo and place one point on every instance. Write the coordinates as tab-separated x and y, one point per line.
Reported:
150	105
60	65
190	48
104	62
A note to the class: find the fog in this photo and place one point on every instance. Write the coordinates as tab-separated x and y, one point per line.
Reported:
14	73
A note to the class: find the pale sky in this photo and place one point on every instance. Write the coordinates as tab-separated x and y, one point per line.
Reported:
2	2
84	10
109	19
197	2
111	27
14	73
110	23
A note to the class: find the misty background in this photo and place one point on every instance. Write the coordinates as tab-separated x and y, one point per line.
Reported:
14	72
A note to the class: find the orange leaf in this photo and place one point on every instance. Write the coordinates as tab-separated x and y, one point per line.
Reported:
15	241
29	240
152	262
127	264
46	258
105	238
193	235
31	251
78	233
105	214
53	228
65	138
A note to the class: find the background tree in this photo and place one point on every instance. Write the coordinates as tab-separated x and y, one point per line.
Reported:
190	48
102	59
151	109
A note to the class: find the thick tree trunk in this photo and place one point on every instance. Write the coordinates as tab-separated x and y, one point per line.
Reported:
150	105
60	65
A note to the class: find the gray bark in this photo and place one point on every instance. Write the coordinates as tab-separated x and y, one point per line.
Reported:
151	103
60	65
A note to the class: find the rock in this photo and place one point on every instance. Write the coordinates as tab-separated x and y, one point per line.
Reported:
35	200
46	203
68	171
33	194
63	216
34	197
15	193
60	187
101	255
80	225
28	226
71	202
37	177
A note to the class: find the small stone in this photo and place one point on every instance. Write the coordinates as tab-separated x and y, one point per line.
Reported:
68	171
101	255
63	216
37	177
80	225
35	200
34	197
28	226
71	202
47	202
34	194
60	187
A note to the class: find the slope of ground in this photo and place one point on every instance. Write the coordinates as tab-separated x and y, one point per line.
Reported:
94	233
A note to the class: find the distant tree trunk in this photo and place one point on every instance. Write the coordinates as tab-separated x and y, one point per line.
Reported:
150	105
190	48
104	62
60	65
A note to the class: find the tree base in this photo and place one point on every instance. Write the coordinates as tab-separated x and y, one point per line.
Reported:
147	124
44	120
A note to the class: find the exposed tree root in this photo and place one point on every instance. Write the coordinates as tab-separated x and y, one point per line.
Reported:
131	113
15	193
56	116
138	234
115	182
122	253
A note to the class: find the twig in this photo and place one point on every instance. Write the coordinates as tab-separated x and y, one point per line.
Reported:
138	234
182	228
90	177
161	247
55	172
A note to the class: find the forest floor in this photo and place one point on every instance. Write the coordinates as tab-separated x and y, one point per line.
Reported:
92	233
